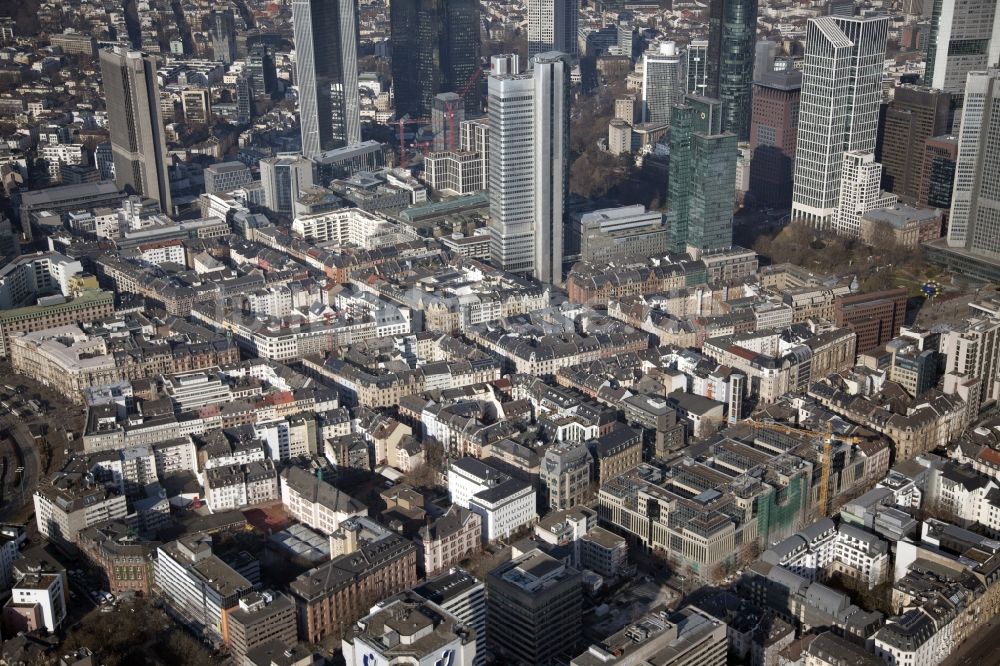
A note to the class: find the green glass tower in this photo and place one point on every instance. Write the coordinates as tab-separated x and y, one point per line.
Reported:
732	42
701	189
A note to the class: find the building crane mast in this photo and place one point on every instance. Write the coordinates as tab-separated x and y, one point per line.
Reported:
826	457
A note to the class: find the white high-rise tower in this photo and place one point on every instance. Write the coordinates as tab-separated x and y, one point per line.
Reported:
838	111
860	179
553	26
528	165
662	87
511	166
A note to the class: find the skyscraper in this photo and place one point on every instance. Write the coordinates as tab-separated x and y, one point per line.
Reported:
223	32
838	111
132	96
326	69
702	159
914	115
553	26
860	179
661	83
533	609
447	116
435	46
282	178
551	154
772	137
261	70
511	166
528	164
937	178
974	223
965	37
732	41
765	51
696	67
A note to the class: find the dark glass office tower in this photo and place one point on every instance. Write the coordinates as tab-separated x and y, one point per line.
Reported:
731	44
702	163
435	48
326	69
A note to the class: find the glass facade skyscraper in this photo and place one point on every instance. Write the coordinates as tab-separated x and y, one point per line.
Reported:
965	37
702	164
326	69
732	42
662	87
435	47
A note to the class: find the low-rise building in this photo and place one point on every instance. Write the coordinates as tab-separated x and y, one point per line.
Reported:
689	637
259	618
369	564
409	629
315	502
70	503
505	503
38	601
449	539
199	586
123	561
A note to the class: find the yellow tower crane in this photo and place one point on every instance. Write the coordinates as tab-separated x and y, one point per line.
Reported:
826	459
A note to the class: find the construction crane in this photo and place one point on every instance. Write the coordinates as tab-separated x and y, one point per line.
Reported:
449	111
402	122
826	459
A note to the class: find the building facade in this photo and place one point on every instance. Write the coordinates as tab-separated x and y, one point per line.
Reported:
844	59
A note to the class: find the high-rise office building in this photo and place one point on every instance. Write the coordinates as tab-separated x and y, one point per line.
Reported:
261	70
860	192
132	96
447	116
551	153
246	109
435	46
661	83
460	53
326	69
553	26
772	137
699	208
839	107
282	178
464	596
763	61
843	8
626	34
915	115
965	37
528	164
511	164
533	609
696	67
937	177
974	223
731	44
223	32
